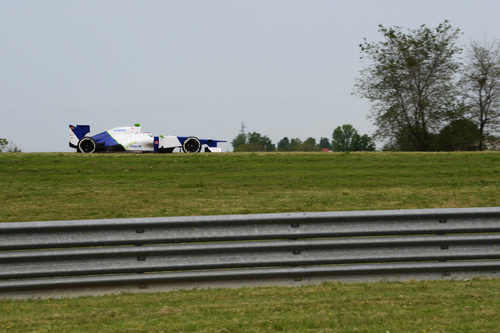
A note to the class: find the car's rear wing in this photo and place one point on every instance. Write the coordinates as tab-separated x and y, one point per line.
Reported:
76	133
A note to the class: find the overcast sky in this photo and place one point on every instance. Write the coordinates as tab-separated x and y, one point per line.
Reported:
199	67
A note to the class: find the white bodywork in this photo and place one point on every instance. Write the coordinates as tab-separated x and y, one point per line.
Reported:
168	142
73	139
131	138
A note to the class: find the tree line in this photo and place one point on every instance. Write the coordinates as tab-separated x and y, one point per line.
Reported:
344	138
423	96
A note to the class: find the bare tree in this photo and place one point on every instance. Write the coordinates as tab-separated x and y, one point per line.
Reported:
6	146
481	84
3	144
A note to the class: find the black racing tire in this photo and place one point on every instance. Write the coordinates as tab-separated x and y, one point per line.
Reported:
87	145
191	145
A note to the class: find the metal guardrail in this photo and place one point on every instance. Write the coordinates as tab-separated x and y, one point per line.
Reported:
85	253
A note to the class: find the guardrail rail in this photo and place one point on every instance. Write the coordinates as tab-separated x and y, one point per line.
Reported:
86	253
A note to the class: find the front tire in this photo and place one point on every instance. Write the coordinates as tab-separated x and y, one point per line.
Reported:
191	145
87	145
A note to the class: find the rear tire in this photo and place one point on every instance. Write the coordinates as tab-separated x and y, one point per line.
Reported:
87	145
191	145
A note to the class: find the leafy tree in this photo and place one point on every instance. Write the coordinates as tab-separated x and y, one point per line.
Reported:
346	138
460	134
252	142
362	143
295	144
250	147
284	144
258	139
405	138
310	141
411	81
241	139
342	137
481	87
324	143
404	141
268	144
309	145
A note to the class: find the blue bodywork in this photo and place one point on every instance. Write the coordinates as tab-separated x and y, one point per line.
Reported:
105	139
80	130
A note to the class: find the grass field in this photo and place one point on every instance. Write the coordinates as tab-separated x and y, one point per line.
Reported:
73	186
425	306
36	187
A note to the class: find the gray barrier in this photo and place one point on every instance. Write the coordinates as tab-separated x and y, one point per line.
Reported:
113	252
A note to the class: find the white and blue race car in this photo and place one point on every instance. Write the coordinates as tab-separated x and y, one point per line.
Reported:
130	138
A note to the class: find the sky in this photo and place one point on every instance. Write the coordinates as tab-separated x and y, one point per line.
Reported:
197	67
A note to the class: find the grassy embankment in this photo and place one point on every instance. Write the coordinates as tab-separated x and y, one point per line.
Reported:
70	186
73	186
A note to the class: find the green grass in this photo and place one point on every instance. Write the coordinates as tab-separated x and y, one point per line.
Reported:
426	306
36	187
74	186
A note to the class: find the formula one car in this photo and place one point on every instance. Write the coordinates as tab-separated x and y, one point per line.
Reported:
130	138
